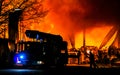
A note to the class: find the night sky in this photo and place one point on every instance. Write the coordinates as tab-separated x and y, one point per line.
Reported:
104	10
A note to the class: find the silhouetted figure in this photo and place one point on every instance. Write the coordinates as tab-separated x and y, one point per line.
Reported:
92	61
100	56
106	60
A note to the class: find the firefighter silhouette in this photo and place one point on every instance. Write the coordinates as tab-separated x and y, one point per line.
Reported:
92	60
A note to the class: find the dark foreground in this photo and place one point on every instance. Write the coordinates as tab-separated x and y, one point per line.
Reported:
67	70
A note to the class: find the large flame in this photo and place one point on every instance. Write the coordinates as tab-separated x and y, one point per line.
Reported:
93	37
68	18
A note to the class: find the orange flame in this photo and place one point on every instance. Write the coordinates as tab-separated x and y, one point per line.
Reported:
67	18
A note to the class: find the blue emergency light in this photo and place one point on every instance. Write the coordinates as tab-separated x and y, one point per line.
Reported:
20	58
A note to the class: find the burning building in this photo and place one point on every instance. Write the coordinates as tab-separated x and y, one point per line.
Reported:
99	18
69	18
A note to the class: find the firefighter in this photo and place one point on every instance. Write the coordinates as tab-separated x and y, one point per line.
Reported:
92	60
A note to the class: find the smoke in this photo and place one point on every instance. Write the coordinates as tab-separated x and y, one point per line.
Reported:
67	15
71	16
74	14
104	11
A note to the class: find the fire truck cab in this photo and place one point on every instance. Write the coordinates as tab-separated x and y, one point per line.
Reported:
48	50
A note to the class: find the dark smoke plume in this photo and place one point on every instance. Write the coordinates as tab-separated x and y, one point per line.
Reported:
77	13
104	10
74	15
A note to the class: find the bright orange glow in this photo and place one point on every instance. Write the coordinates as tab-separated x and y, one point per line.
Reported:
66	18
62	20
94	37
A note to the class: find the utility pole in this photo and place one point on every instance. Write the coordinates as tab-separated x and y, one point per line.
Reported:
84	39
13	26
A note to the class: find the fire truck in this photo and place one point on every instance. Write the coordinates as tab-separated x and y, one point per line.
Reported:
45	49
